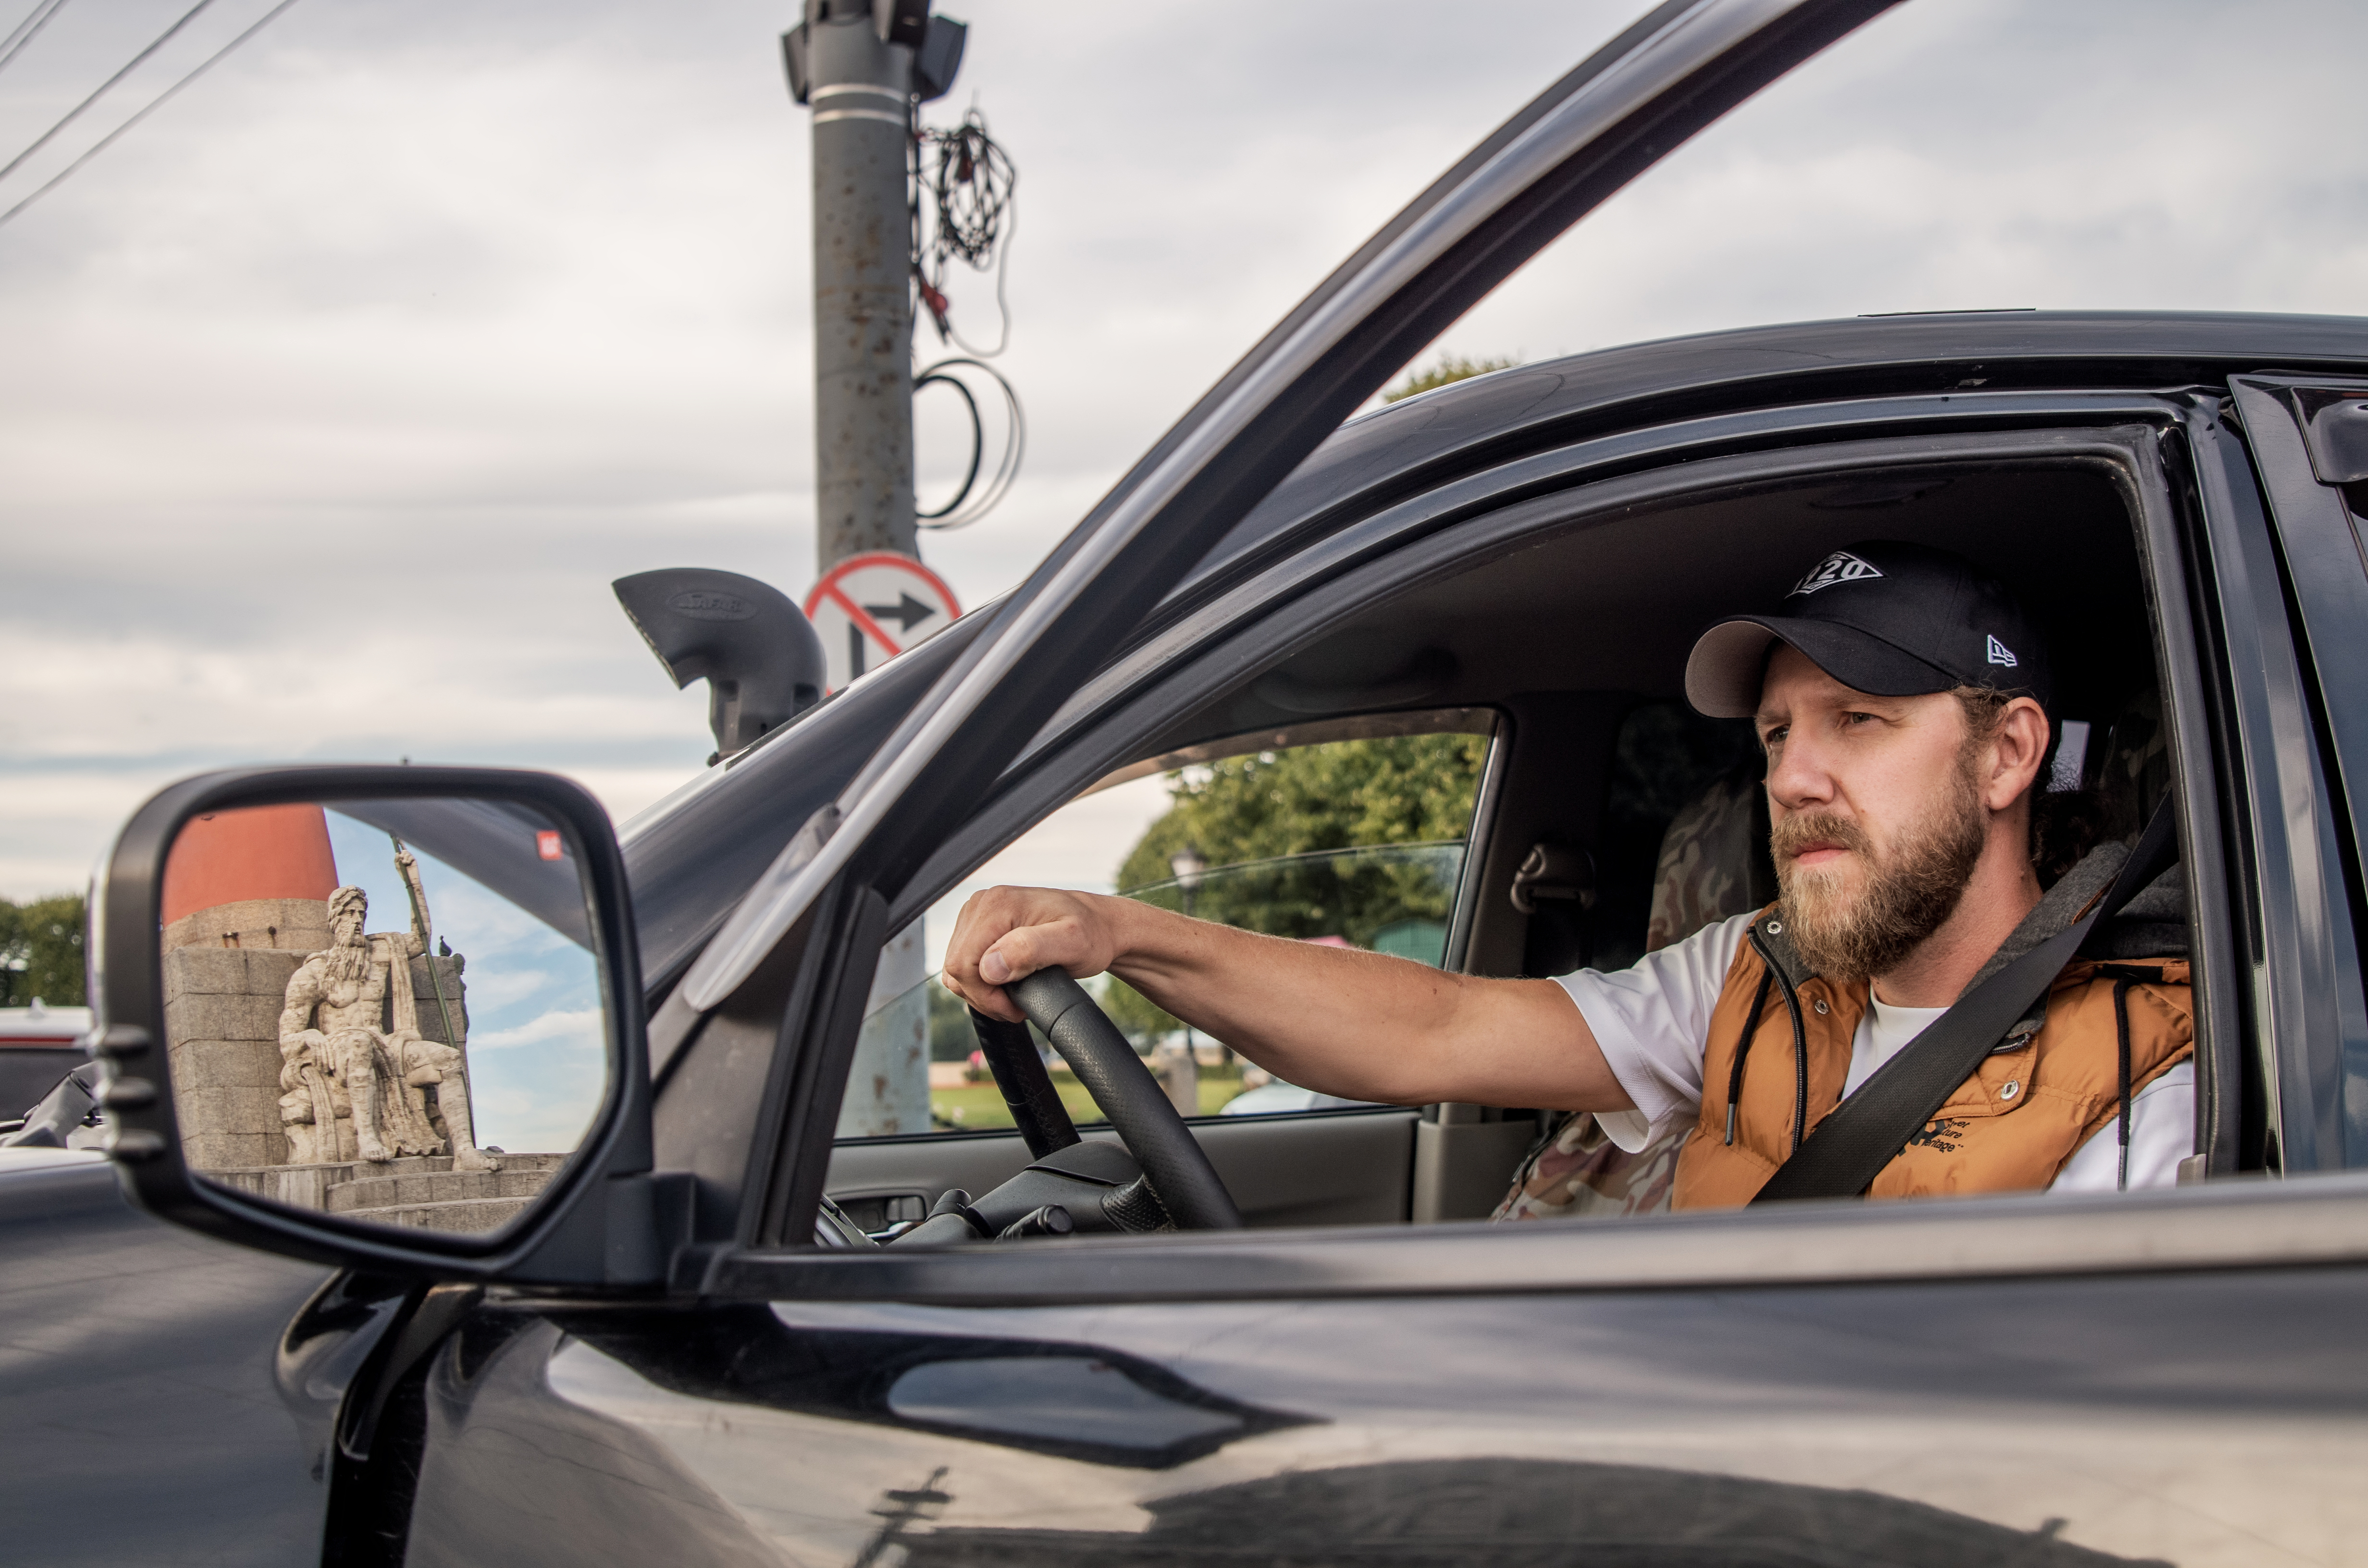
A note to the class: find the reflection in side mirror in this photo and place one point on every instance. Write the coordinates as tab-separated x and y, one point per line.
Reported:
384	1009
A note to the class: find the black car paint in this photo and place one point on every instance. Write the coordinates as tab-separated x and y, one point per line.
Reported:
143	1412
1927	1423
1454	1420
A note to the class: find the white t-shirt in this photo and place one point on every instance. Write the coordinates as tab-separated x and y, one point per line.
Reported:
1653	1021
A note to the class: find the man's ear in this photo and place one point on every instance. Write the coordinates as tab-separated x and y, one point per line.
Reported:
2017	748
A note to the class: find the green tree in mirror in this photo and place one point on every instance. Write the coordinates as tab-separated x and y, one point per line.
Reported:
41	952
1353	841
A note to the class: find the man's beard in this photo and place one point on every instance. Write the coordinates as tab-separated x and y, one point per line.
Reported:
349	961
1909	894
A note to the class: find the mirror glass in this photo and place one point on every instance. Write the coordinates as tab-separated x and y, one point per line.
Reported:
385	1009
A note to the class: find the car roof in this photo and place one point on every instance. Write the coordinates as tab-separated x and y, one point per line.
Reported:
1467	425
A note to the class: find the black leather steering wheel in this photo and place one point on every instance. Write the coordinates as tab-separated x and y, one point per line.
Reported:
1186	1185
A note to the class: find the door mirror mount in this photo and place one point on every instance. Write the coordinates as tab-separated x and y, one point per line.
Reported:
383	1018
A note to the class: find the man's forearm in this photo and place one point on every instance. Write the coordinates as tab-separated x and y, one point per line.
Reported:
1362	1025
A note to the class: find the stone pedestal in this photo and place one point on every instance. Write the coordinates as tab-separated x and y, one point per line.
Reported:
423	1192
221	1029
298	926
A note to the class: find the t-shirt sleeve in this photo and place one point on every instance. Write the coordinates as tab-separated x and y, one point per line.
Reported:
1651	1020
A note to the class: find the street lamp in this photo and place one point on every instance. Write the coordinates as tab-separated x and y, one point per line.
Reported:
1188	863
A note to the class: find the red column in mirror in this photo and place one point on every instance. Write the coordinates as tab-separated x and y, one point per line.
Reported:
245	899
225	860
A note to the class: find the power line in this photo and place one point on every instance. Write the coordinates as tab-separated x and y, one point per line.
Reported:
38	19
150	107
76	113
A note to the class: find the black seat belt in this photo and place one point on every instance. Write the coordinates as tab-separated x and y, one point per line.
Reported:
1850	1147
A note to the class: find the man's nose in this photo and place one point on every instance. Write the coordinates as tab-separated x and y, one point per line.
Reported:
1797	778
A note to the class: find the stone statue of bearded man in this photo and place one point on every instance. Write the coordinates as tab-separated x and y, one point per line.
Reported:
358	1074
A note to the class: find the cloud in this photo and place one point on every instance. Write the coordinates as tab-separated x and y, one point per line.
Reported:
568	1029
338	392
493	990
535	1086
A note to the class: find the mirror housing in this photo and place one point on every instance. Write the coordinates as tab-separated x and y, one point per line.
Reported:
759	655
604	1219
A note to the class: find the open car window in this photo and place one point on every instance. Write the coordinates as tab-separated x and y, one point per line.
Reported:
1350	832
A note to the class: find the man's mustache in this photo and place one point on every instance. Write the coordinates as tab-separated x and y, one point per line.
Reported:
1794	835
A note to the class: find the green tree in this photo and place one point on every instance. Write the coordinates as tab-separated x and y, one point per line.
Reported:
1450	367
1397	790
40	951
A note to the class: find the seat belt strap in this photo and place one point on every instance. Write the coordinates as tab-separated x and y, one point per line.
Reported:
1850	1147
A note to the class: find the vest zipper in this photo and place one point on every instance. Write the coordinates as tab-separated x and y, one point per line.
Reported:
1800	1064
1799	1042
1742	1047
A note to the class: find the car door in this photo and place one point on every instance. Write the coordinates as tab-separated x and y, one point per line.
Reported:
2164	1376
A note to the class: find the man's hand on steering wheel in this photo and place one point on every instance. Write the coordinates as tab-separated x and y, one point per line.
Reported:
1007	934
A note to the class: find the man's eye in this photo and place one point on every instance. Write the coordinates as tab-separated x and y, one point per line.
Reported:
1773	738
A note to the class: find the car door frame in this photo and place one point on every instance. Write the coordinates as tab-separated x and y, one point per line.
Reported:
2138	437
2302	569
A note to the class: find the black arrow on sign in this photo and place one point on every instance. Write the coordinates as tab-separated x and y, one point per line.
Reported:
907	612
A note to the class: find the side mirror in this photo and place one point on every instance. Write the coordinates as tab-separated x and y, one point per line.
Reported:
387	1017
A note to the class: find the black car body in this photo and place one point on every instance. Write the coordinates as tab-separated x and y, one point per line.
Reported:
1358	1377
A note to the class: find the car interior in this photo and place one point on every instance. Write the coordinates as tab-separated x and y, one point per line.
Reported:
1567	652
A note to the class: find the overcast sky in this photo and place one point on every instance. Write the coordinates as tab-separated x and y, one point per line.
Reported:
334	396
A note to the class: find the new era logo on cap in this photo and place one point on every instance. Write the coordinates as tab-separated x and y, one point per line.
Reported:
2002	654
1841	567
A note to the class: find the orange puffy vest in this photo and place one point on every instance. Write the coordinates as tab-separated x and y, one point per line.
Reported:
2052	1083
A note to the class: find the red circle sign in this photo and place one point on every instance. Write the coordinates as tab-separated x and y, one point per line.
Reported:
868	609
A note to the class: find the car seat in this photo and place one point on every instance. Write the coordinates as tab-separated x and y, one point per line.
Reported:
1712	865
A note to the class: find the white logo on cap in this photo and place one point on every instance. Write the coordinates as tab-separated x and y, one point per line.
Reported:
2002	654
1841	567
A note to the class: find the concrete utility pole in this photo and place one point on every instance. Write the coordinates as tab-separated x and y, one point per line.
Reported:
862	64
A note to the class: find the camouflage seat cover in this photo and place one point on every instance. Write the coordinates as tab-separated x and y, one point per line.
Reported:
1705	874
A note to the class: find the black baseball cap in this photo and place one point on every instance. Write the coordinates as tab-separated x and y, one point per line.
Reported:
1885	617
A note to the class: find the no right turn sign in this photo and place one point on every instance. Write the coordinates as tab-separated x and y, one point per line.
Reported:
868	609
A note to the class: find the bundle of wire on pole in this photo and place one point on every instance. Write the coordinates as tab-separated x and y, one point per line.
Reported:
964	186
965	508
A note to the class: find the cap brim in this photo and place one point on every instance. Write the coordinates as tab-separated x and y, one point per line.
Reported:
1725	672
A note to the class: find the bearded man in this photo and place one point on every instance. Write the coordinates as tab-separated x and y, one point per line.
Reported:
355	1070
1901	697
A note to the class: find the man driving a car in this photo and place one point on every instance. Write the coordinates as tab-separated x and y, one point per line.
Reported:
1901	697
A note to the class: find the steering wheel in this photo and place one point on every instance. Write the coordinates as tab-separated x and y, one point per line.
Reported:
1141	1114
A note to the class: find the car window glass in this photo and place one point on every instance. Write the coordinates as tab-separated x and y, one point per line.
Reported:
1355	843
